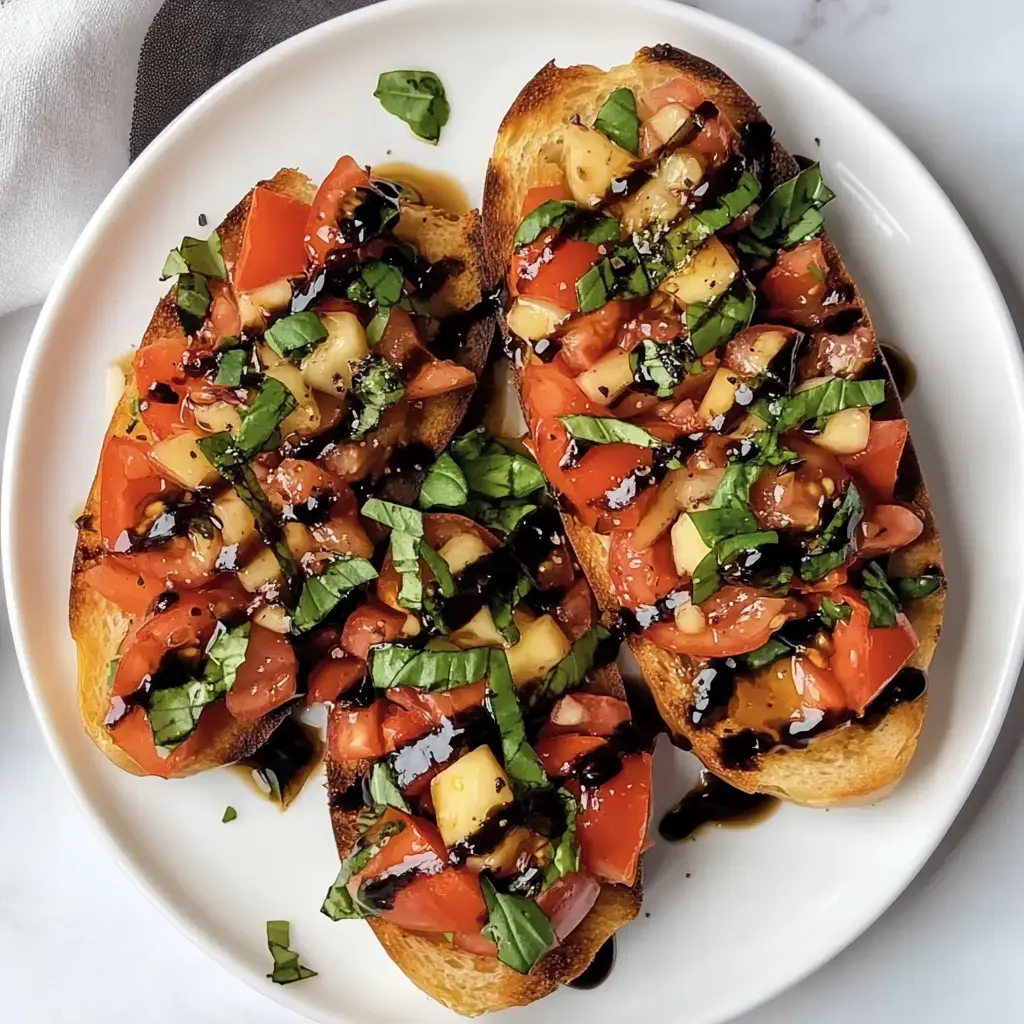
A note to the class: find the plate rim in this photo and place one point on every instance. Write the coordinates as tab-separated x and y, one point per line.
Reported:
19	423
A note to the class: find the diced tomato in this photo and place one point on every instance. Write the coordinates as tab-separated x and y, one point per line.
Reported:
186	625
741	353
550	273
738	620
225	320
577	610
887	528
588	337
135	737
127	482
295	481
368	625
266	679
612	826
641	577
181	562
441	705
876	467
332	676
541	194
476	944
400	726
865	659
355	733
589	714
438	378
322	234
714	141
796	285
273	245
159	375
125	586
839	355
558	753
400	344
569	901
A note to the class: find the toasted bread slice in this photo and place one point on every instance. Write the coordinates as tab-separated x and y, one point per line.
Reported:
471	984
97	625
859	760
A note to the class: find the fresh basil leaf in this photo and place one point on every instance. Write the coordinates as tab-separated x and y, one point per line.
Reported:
339	904
730	205
517	926
445	484
910	588
405	557
192	295
392	665
398	517
383	786
378	284
565	850
504	517
230	367
376	386
730	547
834	545
597	229
564	216
439	567
296	335
378	325
713	325
503	474
470	445
734	487
112	670
820	402
765	654
262	417
790	215
320	594
663	365
596	287
626	273
503	600
706	579
833	612
572	670
521	762
608	430
880	598
417	98
229	815
714	524
286	962
174	265
618	120
199	255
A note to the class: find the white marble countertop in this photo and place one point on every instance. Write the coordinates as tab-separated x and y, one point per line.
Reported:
78	942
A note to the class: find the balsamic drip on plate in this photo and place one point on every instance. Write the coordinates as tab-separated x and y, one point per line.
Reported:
599	968
713	801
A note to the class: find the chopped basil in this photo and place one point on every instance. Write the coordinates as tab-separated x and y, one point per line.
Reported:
833	612
608	430
392	665
706	579
230	367
880	598
112	670
820	402
439	567
572	670
562	214
663	365
445	484
910	588
596	287
376	386
339	903
379	284
417	98
501	473
229	814
199	255
286	962
521	762
296	335
713	325
729	547
262	417
618	120
625	273
502	516
765	654
714	524
383	786
174	711
503	600
730	205
517	926
790	215
378	325
320	594
834	545
398	517
565	850
405	557
192	295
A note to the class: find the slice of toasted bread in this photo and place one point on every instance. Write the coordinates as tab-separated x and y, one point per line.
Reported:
97	625
471	984
857	761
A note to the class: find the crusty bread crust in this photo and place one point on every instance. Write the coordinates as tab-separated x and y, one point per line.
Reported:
97	625
857	761
470	984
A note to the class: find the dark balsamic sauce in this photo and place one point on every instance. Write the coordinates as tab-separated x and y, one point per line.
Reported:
713	801
453	331
601	765
599	968
468	731
904	373
280	768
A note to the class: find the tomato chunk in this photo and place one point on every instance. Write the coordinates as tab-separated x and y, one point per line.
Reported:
544	272
333	676
588	337
273	245
887	528
368	625
322	234
266	679
876	467
641	577
568	902
558	753
126	587
127	482
162	386
589	714
355	733
439	706
438	378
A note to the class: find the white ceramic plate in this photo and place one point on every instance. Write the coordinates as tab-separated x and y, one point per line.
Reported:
736	916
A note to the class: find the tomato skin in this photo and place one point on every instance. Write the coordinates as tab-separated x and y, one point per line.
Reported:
441	705
796	285
876	467
368	625
641	577
577	611
273	243
127	481
887	528
332	676
569	901
587	714
266	679
738	620
400	726
118	582
545	273
438	378
160	362
715	139
177	562
612	825
321	234
588	337
541	194
355	733
558	753
476	944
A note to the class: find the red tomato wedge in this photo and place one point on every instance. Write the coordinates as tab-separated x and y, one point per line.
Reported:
439	706
400	726
887	528
796	285
476	944
589	714
178	562
558	753
266	679
876	467
550	273
714	140
273	245
541	194
641	577
127	481
612	826
739	619
126	587
332	676
355	733
576	611
162	386
321	234
368	625
568	901
438	378
588	337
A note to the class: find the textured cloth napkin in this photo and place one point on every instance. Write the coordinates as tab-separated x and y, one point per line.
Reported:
85	85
